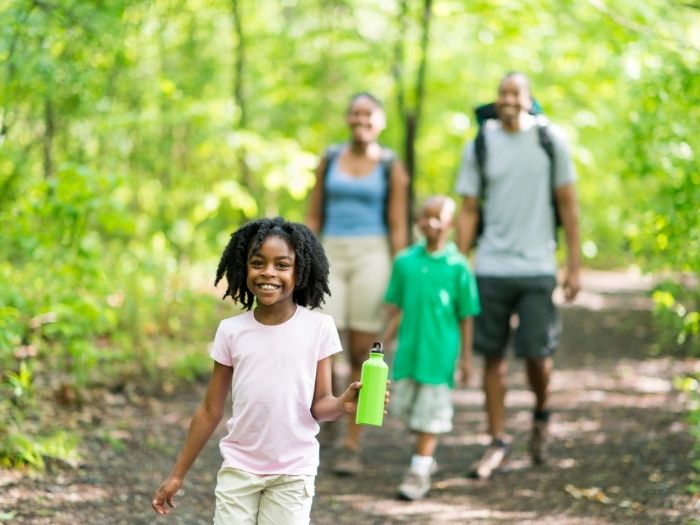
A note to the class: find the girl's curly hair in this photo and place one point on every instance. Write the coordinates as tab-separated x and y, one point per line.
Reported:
310	264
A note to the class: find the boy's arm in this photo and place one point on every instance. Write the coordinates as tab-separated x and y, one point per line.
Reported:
204	422
393	319
466	328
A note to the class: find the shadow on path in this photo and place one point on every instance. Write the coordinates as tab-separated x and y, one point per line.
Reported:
620	455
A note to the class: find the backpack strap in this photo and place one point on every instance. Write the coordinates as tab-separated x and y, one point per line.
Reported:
387	158
480	158
545	138
329	157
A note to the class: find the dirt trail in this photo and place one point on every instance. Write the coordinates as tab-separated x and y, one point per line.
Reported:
620	456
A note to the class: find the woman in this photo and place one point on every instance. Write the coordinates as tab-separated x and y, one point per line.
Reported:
359	207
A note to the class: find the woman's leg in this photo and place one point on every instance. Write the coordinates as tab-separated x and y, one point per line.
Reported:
360	343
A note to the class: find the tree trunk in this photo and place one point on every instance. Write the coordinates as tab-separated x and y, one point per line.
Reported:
239	97
49	130
411	116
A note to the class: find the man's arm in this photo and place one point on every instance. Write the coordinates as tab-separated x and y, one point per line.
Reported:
466	223
568	211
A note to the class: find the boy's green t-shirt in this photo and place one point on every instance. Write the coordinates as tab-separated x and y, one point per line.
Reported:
434	292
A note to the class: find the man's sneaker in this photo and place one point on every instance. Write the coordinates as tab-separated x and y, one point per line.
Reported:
539	439
493	457
347	462
414	486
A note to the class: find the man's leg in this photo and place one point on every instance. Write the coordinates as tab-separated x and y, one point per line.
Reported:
539	371
536	340
491	333
495	369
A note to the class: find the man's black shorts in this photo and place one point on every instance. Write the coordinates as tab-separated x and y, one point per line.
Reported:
537	333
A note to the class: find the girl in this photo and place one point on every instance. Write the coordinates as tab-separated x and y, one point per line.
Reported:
276	359
360	207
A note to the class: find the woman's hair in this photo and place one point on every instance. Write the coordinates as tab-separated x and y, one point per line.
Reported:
310	263
365	94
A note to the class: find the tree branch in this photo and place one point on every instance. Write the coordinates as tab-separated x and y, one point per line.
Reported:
425	40
397	65
601	6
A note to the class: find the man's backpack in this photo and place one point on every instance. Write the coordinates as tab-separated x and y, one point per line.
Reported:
488	112
387	159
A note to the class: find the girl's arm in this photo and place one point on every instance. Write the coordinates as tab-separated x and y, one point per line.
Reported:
314	212
325	406
397	213
202	426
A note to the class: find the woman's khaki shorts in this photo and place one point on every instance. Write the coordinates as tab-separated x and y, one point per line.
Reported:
359	274
244	498
423	408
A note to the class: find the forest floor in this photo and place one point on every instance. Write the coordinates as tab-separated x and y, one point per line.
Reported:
621	450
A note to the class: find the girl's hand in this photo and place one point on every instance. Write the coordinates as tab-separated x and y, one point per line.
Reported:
348	399
387	395
165	494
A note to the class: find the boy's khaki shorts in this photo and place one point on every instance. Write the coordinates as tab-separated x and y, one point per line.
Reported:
423	408
244	498
359	274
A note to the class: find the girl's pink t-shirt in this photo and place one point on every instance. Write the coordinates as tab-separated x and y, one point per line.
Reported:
272	430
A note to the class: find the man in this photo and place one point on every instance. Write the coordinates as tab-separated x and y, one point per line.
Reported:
515	260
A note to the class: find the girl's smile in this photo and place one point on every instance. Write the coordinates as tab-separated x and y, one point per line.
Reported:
271	276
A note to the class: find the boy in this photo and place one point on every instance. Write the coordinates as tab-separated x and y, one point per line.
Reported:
432	296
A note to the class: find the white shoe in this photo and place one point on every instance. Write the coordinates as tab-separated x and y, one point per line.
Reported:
414	486
493	457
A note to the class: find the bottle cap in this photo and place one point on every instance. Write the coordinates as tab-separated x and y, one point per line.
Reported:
377	348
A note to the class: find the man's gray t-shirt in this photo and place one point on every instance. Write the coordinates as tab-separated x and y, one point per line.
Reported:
518	238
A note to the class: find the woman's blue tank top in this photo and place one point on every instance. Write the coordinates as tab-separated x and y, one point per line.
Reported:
354	206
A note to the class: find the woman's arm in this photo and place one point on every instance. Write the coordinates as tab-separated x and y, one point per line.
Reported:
204	422
397	212
314	212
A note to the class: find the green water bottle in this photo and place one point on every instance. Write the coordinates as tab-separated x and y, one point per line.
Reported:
370	403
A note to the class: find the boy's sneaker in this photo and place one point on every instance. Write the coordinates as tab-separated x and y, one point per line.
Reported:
347	462
539	439
493	457
414	486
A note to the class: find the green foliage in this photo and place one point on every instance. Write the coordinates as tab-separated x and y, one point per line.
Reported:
130	149
690	385
17	449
